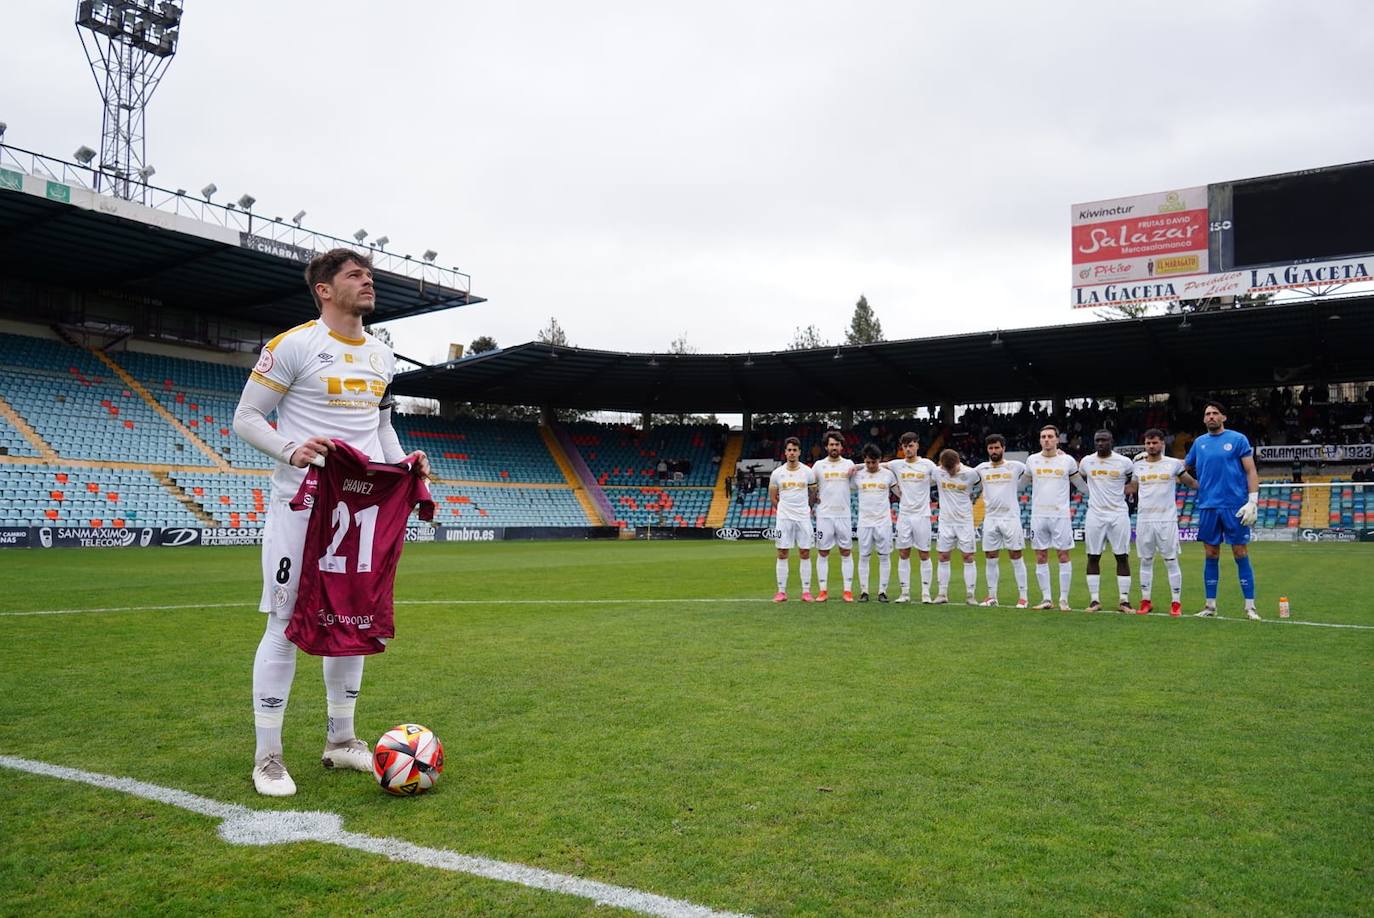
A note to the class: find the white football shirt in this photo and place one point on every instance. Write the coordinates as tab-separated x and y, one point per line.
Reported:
1001	486
1158	488
914	478
330	386
875	507
833	479
794	485
1050	483
956	494
1107	477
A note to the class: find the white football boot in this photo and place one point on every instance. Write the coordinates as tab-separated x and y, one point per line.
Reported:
270	777
351	753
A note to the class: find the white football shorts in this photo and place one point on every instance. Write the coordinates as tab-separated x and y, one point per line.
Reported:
875	539
913	531
1156	537
833	532
1115	529
283	540
952	533
1051	532
795	534
1000	533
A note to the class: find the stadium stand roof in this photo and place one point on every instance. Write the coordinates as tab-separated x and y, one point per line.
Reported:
53	241
1328	340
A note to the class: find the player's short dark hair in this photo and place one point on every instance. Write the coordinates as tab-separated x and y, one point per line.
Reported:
910	437
1050	427
1098	433
789	441
833	435
995	438
871	451
1154	433
949	454
1213	403
324	268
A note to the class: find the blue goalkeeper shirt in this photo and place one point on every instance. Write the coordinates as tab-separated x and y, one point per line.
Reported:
1215	460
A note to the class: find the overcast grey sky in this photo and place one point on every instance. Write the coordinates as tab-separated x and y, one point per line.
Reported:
725	171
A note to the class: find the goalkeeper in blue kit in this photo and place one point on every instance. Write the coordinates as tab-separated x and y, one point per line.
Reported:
1228	502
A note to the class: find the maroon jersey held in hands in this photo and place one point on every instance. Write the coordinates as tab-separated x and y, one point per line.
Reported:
358	512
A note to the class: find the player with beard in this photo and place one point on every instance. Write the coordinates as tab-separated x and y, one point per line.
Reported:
326	379
1108	475
1156	527
1228	502
1002	481
876	487
915	473
833	526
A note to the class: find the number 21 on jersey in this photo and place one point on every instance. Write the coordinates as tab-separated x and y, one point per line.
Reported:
334	563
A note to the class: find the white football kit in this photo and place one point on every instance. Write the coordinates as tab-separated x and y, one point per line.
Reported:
1050	487
794	505
833	526
1001	504
913	513
956	508
1156	526
330	386
1108	520
875	510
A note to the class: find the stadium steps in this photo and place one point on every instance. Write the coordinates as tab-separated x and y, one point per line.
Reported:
18	423
583	498
720	503
1316	504
137	388
186	500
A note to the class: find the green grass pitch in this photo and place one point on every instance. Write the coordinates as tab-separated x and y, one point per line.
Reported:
770	759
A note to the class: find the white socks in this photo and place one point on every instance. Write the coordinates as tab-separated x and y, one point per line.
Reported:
1175	578
990	571
943	575
884	572
1147	577
904	573
1123	587
343	678
970	579
1018	567
847	571
273	669
1094	586
781	568
822	571
1042	580
927	568
804	569
1065	580
864	561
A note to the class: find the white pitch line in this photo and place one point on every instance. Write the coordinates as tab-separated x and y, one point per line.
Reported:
243	825
613	602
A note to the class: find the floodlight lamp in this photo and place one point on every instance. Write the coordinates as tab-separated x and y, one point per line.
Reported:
146	173
181	192
209	190
382	241
997	338
84	155
300	215
229	206
247	202
360	235
430	255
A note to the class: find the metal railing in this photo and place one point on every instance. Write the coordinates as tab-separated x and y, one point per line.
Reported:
230	216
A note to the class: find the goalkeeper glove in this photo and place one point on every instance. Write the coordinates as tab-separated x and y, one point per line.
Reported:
1250	511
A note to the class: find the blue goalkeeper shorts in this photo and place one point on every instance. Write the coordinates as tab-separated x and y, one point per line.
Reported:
1217	526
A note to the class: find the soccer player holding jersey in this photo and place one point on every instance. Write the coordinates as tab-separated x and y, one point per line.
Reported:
1156	526
1108	476
1052	474
956	482
833	526
915	473
876	486
326	379
1228	502
790	488
1002	480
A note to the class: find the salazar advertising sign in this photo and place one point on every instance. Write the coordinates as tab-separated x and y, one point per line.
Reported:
1140	240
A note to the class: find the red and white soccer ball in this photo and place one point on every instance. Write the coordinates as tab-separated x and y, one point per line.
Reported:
407	760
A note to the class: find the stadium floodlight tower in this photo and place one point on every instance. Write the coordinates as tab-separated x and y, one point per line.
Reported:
130	45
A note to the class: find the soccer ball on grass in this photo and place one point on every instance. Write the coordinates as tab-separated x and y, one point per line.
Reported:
407	760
